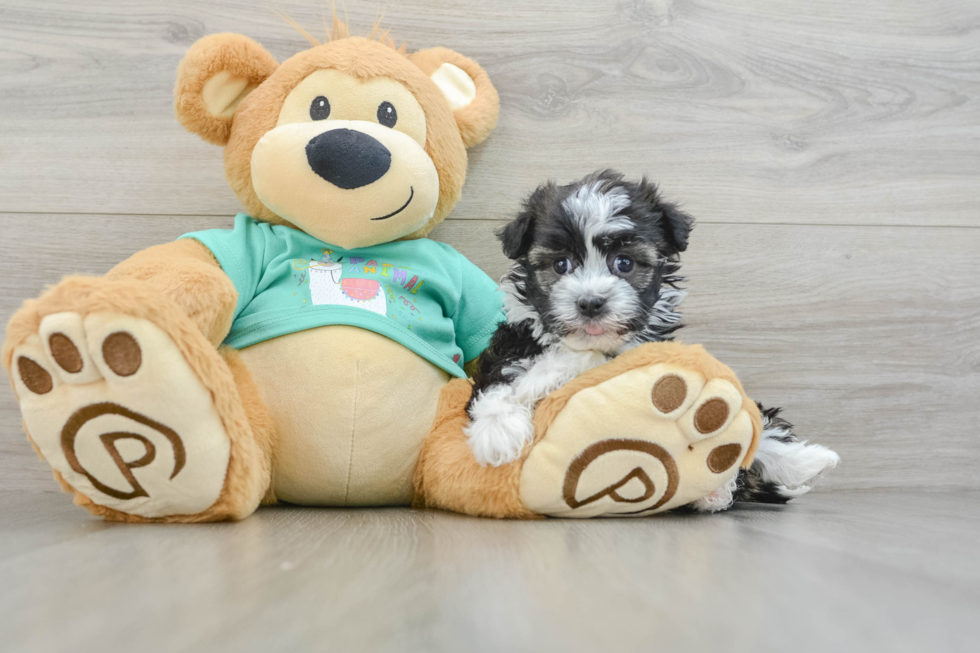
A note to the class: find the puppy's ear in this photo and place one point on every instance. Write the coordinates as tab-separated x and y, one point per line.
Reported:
517	236
213	78
675	224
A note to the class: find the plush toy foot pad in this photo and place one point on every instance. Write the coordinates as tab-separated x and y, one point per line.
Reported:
650	439
114	407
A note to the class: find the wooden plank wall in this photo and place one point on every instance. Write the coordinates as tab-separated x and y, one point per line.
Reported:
829	149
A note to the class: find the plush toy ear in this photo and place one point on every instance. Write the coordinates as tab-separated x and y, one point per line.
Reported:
467	88
213	78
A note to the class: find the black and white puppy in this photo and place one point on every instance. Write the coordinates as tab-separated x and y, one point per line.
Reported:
595	274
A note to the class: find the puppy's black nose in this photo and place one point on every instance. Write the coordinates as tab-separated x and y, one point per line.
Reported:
348	158
590	306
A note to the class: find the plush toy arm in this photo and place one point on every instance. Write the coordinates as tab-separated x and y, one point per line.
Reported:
187	273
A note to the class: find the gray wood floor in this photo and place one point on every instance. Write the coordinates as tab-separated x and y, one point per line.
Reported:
829	149
840	571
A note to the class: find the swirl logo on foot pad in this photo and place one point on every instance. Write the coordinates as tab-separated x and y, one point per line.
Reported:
595	451
87	413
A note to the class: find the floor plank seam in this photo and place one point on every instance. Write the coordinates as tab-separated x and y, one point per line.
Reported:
504	220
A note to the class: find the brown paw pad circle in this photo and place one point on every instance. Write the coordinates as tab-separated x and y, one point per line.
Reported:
711	416
122	353
35	377
723	457
65	353
669	393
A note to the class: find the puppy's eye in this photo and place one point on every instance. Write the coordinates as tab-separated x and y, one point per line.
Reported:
623	264
563	265
319	108
387	115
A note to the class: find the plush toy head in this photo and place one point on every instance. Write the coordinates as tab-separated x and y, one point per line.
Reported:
352	141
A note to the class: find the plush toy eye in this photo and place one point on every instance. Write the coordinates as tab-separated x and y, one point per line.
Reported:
387	115
320	108
563	265
624	264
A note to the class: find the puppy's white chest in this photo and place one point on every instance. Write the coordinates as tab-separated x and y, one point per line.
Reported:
576	362
553	369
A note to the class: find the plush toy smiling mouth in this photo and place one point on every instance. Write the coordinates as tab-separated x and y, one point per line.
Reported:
411	194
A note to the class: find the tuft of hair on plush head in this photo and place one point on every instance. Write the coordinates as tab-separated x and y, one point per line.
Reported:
340	29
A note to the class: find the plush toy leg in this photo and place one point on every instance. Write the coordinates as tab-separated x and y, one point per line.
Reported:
448	476
655	429
140	417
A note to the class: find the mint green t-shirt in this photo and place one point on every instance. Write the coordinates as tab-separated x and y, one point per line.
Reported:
420	293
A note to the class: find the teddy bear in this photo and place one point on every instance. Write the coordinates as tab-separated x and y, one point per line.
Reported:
317	352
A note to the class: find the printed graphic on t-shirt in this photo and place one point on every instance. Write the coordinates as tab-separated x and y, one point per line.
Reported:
328	286
331	284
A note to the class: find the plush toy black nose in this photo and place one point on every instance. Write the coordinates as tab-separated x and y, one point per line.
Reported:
348	158
590	306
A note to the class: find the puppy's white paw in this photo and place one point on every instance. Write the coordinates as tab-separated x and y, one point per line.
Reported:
500	427
720	499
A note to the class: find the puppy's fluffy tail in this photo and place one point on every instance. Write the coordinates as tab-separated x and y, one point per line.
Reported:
784	468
